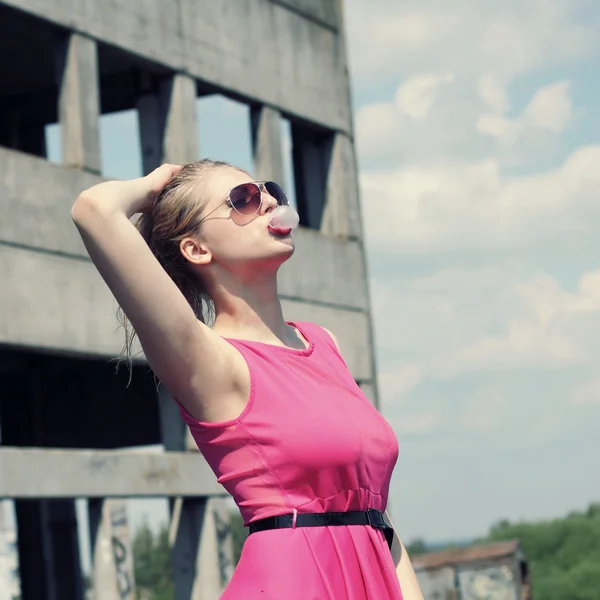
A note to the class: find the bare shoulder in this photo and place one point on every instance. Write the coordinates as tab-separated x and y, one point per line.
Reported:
214	385
333	337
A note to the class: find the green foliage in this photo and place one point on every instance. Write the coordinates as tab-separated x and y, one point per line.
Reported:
563	554
152	564
238	534
416	547
152	559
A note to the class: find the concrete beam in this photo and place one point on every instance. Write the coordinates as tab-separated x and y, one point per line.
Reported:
341	214
266	143
323	12
78	314
32	473
79	102
298	66
168	123
36	197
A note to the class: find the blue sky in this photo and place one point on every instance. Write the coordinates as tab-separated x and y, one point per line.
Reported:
478	136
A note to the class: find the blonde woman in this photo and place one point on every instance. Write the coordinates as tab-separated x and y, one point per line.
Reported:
271	404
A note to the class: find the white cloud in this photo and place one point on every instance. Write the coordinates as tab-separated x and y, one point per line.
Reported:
461	321
435	116
550	109
457	207
506	39
417	96
492	91
399	382
586	394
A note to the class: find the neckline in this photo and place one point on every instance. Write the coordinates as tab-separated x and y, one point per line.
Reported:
298	351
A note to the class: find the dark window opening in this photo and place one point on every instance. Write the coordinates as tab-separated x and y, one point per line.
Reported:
311	156
28	80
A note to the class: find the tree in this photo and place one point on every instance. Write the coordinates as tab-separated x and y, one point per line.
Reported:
416	547
563	554
238	534
152	564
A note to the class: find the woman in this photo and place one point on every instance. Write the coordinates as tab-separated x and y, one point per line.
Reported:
271	405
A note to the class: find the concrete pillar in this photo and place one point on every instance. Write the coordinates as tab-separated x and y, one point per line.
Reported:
341	216
168	123
199	531
34	550
79	102
112	552
266	144
64	554
369	390
48	550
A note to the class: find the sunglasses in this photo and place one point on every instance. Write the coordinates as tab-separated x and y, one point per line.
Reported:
246	198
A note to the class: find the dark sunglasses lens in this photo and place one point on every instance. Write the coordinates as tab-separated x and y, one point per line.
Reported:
275	190
245	198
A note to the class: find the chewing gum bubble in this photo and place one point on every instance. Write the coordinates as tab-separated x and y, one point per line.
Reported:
284	217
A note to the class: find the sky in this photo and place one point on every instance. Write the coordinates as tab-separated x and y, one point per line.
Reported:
478	136
478	140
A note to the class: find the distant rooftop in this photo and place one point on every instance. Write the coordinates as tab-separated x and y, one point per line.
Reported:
476	553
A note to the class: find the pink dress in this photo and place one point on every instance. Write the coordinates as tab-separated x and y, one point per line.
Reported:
308	440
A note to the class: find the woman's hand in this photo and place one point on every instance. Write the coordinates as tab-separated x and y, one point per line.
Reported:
128	197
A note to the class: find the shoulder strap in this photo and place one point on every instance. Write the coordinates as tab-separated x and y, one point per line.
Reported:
317	335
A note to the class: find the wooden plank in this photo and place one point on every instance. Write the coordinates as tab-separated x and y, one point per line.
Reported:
57	473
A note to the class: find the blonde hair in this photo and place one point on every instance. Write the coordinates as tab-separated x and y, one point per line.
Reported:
176	214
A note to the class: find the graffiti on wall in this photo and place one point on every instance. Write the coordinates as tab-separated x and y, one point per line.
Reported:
491	583
121	550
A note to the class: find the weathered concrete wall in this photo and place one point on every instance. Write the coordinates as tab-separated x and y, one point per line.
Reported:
36	197
32	473
60	303
284	53
53	297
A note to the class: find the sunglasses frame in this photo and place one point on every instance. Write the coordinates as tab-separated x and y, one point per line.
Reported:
261	185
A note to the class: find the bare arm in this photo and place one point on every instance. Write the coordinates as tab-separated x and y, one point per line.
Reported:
192	361
411	590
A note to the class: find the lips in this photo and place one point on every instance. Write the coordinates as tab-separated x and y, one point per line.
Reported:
279	232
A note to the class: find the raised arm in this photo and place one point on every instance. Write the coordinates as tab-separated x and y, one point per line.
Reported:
193	362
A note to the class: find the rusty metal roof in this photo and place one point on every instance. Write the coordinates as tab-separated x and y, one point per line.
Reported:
476	553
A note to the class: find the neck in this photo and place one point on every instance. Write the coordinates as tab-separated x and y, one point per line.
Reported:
249	310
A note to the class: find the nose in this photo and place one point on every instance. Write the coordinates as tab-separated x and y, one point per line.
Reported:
268	202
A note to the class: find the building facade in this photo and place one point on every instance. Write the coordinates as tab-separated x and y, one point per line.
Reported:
495	571
65	415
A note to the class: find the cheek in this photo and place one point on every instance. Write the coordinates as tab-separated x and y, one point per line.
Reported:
229	240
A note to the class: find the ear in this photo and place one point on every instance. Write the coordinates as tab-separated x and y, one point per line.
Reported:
194	251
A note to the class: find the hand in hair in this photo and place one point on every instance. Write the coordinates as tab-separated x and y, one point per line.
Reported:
195	364
131	196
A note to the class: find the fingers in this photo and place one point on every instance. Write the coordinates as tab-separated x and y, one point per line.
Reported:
162	175
165	171
172	169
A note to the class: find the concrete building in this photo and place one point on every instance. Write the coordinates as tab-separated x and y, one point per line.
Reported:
496	571
65	416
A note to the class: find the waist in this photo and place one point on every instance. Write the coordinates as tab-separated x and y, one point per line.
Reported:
372	517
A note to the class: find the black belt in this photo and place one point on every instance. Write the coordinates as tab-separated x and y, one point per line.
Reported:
374	518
